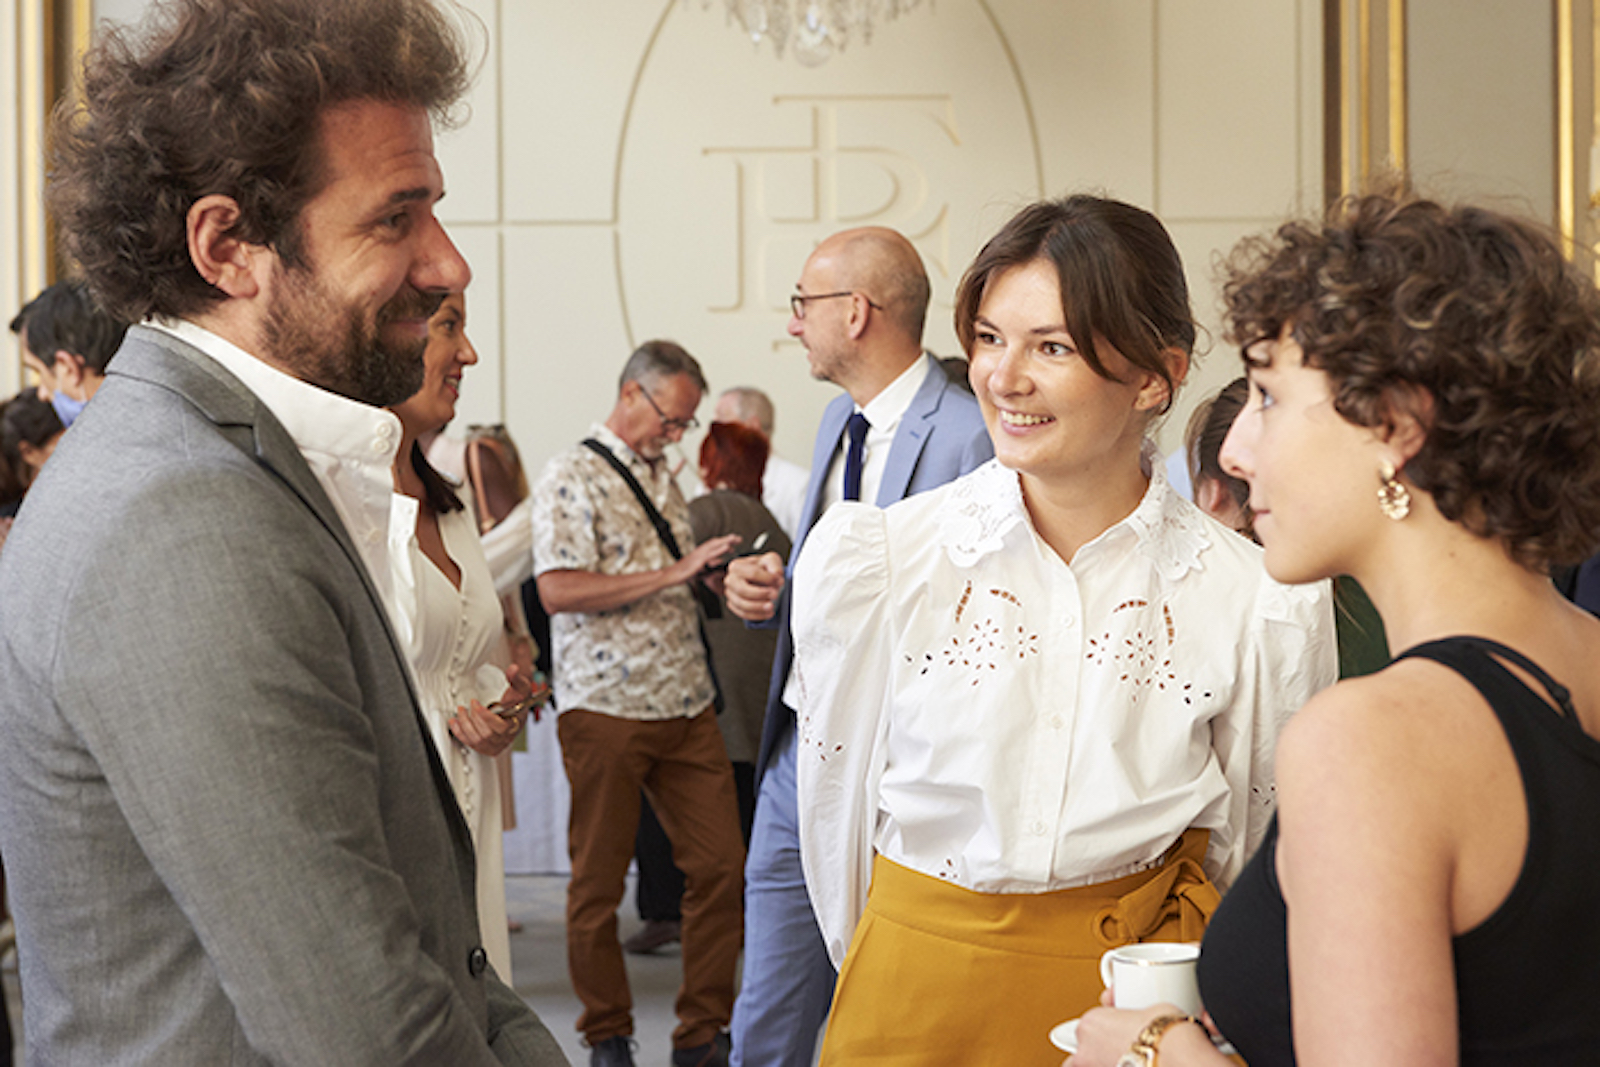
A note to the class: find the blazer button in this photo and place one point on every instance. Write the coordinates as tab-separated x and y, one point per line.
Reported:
477	960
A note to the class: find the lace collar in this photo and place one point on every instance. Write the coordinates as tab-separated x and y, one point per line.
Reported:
987	504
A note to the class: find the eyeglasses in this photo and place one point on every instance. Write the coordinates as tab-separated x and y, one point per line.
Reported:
669	425
797	302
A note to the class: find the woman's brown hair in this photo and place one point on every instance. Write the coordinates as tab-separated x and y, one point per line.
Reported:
1122	282
1468	319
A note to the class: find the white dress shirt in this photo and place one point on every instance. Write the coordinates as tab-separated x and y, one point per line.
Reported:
883	413
979	711
349	446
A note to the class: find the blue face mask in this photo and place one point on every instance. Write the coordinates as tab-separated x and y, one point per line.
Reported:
67	409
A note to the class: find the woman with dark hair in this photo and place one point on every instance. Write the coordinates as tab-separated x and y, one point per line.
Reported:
1363	647
1423	389
732	458
1039	704
1216	492
449	619
29	432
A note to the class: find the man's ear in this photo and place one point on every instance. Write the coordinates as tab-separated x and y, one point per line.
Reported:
69	370
229	263
856	324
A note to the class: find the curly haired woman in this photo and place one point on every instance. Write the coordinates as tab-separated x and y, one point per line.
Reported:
1424	383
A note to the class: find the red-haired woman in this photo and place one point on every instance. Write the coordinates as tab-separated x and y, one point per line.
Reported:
732	457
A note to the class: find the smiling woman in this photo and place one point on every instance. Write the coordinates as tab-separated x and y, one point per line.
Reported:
1038	705
449	618
1423	388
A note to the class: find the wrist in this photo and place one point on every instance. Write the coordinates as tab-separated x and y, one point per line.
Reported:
1146	1048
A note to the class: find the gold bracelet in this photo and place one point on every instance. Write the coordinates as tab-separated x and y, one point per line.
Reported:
1145	1046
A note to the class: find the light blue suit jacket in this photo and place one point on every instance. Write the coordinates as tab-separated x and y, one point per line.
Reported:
940	437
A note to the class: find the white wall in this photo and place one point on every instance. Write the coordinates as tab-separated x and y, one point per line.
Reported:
634	169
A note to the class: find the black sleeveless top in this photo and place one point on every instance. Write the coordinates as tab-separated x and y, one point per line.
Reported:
1528	977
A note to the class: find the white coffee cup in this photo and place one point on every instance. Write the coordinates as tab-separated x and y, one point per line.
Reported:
1154	972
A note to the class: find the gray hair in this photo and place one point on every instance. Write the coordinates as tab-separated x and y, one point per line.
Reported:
655	361
752	405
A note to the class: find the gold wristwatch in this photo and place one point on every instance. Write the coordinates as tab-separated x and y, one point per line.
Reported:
1143	1052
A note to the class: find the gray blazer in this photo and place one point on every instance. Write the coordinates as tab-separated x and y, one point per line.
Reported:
227	838
940	437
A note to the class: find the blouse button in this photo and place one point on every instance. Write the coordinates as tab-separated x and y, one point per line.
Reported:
1055	722
1039	828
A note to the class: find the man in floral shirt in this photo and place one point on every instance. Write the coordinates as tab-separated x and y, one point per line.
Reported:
619	581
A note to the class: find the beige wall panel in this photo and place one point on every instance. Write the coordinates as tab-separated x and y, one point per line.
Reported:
1480	80
735	164
1230	85
1091	77
1201	244
481	385
563	335
566	78
472	150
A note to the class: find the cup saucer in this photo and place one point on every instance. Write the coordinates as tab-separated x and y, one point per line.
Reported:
1065	1038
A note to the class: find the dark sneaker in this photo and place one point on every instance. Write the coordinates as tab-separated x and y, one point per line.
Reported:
655	934
714	1054
614	1052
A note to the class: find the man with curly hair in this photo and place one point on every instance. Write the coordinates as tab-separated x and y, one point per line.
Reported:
228	837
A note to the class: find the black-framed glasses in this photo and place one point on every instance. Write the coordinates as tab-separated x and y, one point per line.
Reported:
668	425
797	301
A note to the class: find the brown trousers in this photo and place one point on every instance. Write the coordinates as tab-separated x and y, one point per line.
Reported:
681	765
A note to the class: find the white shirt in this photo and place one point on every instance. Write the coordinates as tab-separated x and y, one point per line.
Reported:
783	491
883	413
349	446
977	710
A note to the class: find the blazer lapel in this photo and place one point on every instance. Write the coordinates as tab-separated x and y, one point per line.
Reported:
916	426
829	432
239	415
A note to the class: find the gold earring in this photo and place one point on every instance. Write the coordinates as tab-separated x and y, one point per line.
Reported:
1394	499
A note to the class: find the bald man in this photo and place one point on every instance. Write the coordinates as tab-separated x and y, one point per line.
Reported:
858	310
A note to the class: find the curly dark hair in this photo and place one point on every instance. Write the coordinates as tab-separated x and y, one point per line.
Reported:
1479	311
225	97
1122	281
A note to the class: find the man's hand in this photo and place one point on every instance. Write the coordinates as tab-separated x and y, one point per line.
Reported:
706	556
753	586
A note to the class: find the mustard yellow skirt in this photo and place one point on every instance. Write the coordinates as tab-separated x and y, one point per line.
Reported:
937	974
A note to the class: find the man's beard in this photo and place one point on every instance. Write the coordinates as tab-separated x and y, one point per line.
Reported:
319	340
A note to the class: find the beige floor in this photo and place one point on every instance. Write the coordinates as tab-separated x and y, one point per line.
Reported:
538	958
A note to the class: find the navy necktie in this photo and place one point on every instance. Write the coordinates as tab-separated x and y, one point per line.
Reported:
855	455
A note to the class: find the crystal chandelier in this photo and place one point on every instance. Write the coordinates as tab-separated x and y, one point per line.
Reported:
813	29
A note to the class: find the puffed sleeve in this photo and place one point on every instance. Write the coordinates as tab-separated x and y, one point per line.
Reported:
1294	655
842	653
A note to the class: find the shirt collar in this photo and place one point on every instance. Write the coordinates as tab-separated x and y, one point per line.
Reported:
885	410
987	504
318	421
